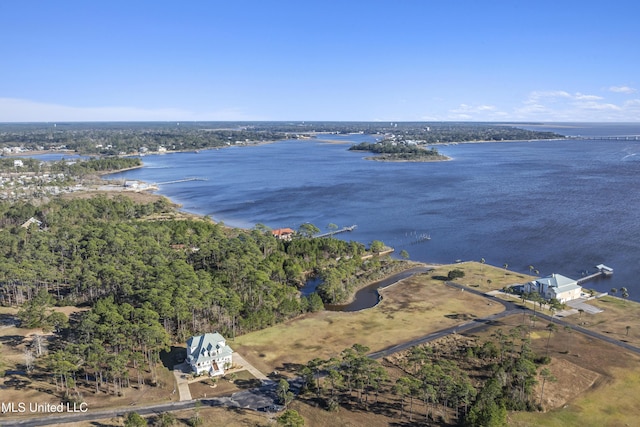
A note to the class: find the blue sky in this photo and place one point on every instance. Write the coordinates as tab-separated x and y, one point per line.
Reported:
395	60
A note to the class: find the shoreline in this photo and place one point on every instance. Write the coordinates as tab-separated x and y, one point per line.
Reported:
151	190
441	158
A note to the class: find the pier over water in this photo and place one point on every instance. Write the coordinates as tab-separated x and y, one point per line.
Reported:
181	180
341	230
603	271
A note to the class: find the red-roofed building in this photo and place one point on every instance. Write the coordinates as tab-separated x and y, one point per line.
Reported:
283	233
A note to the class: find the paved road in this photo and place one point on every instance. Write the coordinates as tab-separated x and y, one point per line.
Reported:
265	395
257	399
510	308
96	415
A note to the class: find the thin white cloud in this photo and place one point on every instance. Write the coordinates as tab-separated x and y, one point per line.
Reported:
565	106
535	96
622	89
580	96
597	106
21	110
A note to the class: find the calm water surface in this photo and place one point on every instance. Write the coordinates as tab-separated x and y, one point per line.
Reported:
561	206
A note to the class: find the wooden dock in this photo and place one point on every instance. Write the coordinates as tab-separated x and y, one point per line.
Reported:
341	230
603	271
180	180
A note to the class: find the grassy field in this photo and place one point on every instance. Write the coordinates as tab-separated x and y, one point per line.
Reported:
486	277
409	309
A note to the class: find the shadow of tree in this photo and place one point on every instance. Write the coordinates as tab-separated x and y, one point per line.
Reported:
248	383
17	383
9	320
12	340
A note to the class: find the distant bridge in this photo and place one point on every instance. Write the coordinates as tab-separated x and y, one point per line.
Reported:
608	137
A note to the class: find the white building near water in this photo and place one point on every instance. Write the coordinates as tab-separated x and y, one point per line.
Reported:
209	353
555	286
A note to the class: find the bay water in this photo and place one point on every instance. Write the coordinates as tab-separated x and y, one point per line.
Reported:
562	206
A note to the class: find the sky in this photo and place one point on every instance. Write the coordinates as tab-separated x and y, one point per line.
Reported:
348	60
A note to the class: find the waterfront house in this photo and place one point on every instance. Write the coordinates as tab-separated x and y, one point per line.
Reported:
555	286
209	353
283	233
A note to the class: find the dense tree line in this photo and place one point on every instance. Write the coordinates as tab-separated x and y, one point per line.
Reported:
103	164
76	168
114	138
463	132
148	282
194	273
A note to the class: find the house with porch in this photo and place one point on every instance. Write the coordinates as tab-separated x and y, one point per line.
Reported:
209	353
555	286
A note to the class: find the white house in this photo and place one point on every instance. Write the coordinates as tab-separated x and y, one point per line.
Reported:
209	353
555	286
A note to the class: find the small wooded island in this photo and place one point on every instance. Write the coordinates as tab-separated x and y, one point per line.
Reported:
391	152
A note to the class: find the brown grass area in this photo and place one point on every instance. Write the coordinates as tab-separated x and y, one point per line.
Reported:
596	381
596	384
610	401
613	321
485	277
410	309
